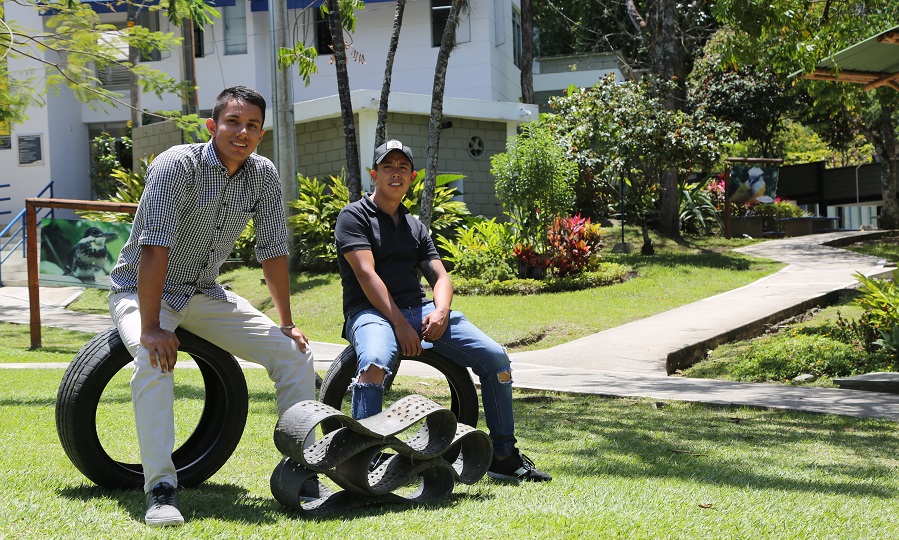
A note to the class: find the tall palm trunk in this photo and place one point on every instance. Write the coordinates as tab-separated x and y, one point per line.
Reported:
527	52
354	182
435	123
381	131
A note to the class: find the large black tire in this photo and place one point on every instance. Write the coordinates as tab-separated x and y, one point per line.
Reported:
214	439
464	397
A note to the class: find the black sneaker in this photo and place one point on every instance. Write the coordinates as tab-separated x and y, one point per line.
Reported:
162	506
517	468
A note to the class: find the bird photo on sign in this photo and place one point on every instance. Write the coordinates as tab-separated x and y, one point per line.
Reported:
80	252
752	184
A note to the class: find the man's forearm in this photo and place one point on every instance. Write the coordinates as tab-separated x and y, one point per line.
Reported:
151	270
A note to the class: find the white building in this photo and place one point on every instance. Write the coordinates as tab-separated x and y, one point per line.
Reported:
482	92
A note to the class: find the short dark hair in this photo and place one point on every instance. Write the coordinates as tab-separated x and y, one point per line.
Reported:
240	93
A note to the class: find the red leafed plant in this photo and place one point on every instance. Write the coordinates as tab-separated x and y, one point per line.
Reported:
572	240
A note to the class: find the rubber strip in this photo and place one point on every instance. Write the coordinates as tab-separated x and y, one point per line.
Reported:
346	454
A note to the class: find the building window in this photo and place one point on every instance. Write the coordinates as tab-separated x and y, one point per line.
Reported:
324	42
235	19
199	42
516	37
150	21
440	10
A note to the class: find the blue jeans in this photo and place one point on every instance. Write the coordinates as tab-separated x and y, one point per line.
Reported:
372	336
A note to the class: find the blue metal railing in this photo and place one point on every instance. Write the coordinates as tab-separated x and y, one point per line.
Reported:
21	231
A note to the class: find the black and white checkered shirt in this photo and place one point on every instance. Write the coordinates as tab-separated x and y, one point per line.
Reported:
193	207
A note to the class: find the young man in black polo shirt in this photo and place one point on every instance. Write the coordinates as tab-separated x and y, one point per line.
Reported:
382	248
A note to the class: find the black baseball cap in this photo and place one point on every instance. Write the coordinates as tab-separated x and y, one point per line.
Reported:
391	145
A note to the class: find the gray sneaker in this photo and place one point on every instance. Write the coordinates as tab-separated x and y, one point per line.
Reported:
162	506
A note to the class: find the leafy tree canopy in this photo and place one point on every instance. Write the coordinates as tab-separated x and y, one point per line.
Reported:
74	44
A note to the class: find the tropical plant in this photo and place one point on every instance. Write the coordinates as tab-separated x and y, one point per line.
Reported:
318	203
314	220
108	154
481	250
448	212
129	186
573	241
698	210
880	300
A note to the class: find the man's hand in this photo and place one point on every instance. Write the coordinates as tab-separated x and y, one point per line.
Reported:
434	325
408	339
163	346
297	335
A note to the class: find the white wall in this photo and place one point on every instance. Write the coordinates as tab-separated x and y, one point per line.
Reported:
469	74
25	181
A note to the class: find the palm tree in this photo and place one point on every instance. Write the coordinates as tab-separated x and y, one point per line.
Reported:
381	131
354	182
436	122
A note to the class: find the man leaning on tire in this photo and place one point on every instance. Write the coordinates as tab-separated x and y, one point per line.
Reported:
197	200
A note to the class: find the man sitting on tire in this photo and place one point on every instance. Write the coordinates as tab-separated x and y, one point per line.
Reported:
382	248
197	201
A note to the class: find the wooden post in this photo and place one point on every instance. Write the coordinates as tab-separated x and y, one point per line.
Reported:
34	294
34	291
726	201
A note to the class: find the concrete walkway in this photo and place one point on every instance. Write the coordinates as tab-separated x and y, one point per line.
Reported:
635	359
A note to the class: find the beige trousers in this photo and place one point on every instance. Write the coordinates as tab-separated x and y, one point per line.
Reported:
238	328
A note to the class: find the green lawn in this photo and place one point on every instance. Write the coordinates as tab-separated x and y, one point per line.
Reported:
623	468
681	272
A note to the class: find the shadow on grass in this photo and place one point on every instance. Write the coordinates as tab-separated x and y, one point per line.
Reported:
727	446
705	259
229	502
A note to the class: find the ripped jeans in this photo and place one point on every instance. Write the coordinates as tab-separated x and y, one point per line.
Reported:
372	336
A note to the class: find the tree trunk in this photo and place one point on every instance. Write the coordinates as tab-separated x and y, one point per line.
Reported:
889	176
381	131
447	44
527	52
665	53
354	182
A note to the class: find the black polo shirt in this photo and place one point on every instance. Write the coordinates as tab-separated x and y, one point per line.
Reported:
397	250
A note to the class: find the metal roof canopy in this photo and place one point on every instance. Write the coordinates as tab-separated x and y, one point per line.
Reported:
873	62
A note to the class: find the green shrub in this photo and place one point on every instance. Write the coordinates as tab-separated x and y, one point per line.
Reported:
606	274
481	250
108	155
775	211
535	182
314	220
